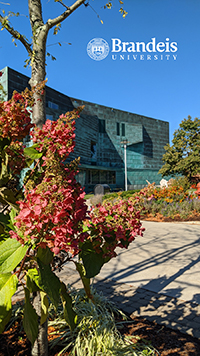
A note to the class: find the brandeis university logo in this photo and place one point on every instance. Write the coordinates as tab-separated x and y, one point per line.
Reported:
98	49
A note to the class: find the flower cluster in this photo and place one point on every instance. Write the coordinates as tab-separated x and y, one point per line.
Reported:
51	213
53	208
15	121
57	136
113	225
171	194
16	158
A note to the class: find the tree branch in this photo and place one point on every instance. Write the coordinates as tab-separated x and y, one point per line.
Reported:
53	22
60	2
16	34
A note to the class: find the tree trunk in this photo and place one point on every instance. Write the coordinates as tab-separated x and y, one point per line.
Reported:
37	76
38	59
40	347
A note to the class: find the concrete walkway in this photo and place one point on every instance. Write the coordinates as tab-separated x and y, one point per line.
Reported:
165	260
158	277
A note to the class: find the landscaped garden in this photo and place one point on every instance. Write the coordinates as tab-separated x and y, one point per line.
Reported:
45	222
177	202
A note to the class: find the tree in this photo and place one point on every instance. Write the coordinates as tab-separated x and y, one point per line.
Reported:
183	157
37	47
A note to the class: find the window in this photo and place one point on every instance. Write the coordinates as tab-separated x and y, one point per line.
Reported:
118	129
52	105
102	126
123	129
102	177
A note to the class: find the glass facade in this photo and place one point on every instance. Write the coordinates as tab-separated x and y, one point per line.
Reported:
95	176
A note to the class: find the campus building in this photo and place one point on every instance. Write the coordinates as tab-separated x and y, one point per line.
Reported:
100	131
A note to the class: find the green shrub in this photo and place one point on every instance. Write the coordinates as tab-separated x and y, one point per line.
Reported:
123	194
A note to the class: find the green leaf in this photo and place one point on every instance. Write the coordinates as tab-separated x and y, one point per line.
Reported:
7	220
92	261
12	215
69	313
49	282
11	254
30	320
32	153
8	286
32	278
45	255
44	307
86	281
7	197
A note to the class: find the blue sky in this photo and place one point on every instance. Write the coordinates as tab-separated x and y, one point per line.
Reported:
163	89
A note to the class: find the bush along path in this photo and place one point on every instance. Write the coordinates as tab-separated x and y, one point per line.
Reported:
48	217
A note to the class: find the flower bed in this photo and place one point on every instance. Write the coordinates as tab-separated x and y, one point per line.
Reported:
173	203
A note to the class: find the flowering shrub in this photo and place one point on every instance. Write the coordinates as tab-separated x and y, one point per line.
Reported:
113	225
57	137
53	208
15	121
51	214
15	125
52	217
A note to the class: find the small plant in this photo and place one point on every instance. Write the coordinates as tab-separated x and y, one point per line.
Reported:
97	332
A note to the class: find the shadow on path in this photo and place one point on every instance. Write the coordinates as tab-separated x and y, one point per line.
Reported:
169	311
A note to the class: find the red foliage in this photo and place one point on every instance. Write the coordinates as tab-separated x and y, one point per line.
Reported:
15	121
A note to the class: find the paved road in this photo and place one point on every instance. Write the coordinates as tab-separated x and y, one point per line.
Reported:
165	260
